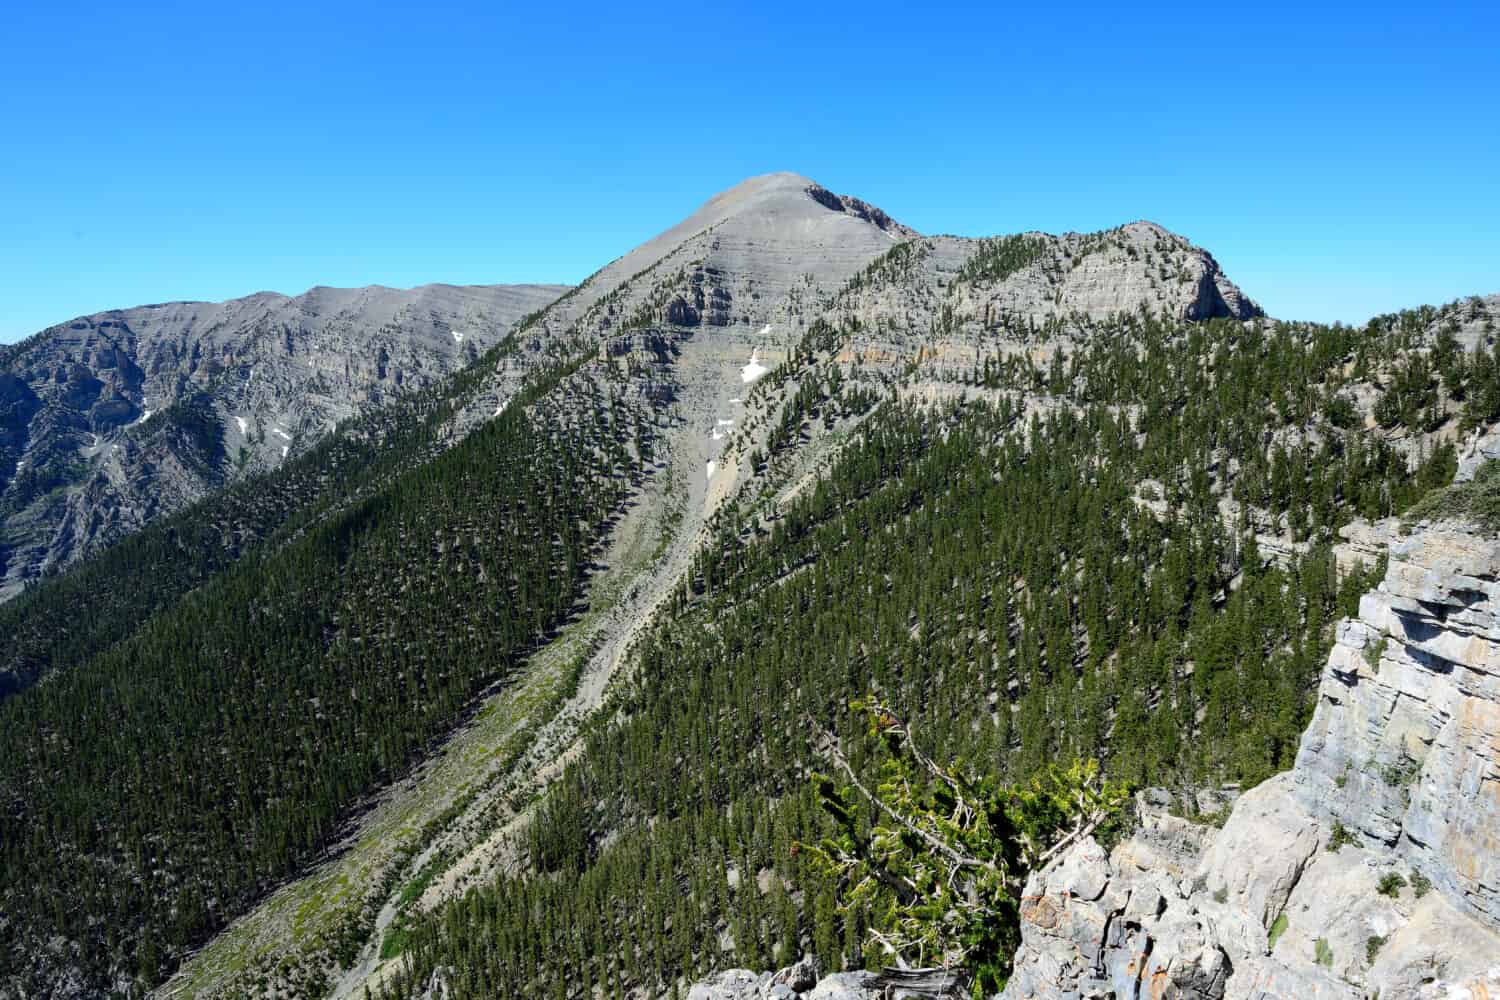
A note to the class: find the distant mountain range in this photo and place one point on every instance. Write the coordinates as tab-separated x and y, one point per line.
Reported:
110	420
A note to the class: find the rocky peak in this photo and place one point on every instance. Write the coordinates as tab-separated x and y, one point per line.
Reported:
1215	295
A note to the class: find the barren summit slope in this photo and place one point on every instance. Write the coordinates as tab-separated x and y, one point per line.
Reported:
752	245
776	211
110	420
752	266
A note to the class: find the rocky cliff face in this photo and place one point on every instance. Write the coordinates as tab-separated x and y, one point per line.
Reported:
803	981
1372	869
110	420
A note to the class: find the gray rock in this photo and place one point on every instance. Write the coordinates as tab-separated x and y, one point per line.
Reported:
1262	851
847	986
734	984
801	981
802	976
1402	746
1365	542
1082	873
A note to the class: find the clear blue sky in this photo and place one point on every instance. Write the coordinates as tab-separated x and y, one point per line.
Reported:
1339	162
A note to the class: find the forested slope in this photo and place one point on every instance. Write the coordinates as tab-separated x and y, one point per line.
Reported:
153	790
148	571
1001	574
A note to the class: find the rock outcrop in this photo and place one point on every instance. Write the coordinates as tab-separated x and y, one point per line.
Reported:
1371	869
860	209
804	981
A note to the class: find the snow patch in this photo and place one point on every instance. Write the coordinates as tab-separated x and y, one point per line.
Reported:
765	329
725	423
754	369
712	466
736	400
244	425
284	450
278	430
458	338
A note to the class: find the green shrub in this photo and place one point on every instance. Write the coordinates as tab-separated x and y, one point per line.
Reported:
1391	884
1340	836
1420	884
1373	945
1477	501
394	942
1323	953
1278	928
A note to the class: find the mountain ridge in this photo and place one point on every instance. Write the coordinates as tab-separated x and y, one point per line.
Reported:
783	383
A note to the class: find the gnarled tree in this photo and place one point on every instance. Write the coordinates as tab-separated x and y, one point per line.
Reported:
937	861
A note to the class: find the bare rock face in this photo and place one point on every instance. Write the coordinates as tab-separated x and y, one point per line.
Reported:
1405	746
1371	868
1140	264
797	982
860	209
1365	542
234	388
804	981
1031	292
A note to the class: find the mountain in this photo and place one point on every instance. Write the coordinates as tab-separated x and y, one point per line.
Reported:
111	420
512	685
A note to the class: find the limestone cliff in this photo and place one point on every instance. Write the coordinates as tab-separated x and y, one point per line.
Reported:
1371	869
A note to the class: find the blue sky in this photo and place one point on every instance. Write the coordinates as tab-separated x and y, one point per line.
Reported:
1339	160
